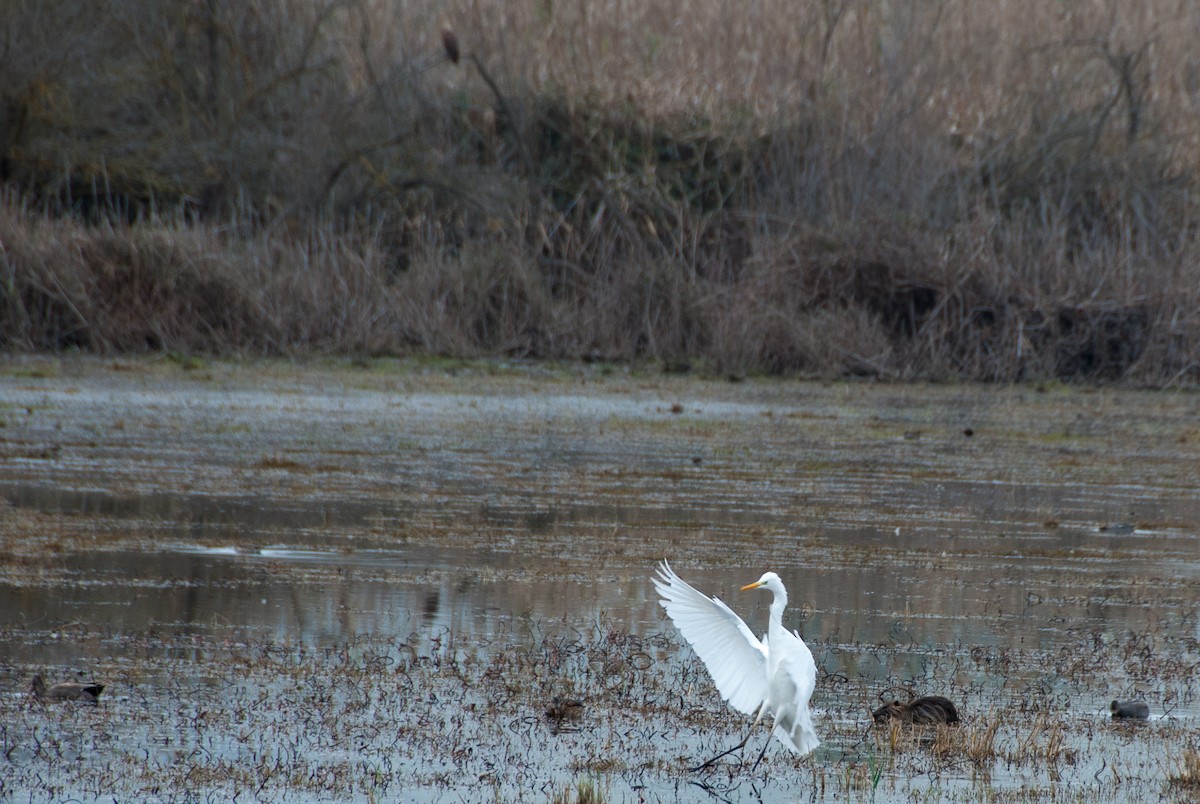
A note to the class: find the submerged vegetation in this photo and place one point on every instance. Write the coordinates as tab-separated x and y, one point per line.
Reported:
980	190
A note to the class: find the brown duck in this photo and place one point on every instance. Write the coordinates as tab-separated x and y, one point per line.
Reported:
565	709
926	710
65	690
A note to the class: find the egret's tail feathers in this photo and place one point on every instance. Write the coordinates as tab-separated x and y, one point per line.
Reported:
797	734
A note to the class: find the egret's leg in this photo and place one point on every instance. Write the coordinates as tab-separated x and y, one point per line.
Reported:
737	747
761	753
740	745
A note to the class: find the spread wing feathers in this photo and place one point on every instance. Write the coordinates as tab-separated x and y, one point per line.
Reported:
735	658
790	689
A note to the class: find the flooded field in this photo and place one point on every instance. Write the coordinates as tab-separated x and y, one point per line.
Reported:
369	581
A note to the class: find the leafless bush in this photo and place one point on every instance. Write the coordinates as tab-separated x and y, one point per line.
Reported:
995	191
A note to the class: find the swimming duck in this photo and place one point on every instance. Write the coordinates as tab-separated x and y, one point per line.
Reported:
927	709
65	690
565	708
1134	710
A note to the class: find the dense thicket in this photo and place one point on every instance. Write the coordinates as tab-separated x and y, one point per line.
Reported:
956	189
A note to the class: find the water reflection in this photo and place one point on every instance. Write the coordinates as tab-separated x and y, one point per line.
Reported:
282	592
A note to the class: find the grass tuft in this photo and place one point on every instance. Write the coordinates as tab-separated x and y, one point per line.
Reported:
585	791
1187	770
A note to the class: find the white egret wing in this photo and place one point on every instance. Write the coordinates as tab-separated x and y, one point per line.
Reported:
735	658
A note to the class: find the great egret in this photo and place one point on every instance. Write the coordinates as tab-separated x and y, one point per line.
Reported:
776	675
64	691
926	710
1135	710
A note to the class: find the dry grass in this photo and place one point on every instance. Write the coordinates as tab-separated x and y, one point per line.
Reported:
585	791
1187	770
995	191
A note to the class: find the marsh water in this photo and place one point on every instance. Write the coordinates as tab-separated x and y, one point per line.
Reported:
1029	551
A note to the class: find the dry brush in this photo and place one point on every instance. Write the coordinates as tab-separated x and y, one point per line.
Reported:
994	191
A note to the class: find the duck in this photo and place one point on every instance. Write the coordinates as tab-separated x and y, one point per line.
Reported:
565	709
1133	710
65	690
926	710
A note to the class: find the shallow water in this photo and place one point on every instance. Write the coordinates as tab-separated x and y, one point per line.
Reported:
1016	549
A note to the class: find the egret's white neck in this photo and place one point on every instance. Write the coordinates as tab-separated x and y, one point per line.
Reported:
778	605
